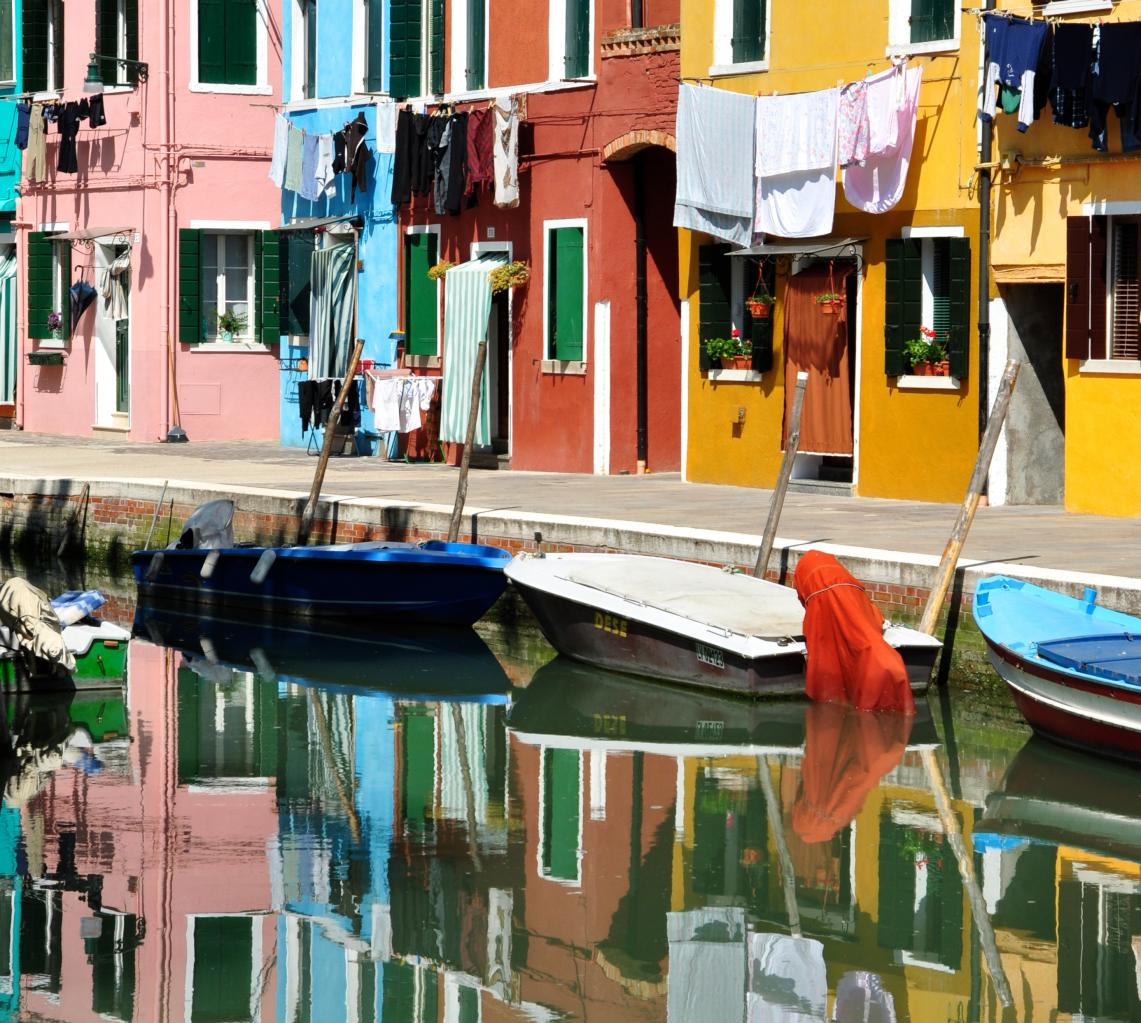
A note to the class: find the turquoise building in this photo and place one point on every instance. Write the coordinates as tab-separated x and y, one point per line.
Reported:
12	17
335	71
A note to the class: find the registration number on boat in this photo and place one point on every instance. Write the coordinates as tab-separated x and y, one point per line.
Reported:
710	655
611	623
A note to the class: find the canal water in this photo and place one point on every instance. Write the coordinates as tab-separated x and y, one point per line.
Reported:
281	825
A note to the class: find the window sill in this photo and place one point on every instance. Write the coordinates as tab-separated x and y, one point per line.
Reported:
421	362
734	376
232	90
748	67
233	347
917	49
1115	367
564	368
1077	6
908	382
51	344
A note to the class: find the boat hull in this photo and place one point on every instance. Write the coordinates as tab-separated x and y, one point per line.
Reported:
637	648
1078	712
453	584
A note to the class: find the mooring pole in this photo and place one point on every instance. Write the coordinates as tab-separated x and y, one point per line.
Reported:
469	440
777	505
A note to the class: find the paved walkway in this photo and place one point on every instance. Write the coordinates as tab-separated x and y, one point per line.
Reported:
1040	537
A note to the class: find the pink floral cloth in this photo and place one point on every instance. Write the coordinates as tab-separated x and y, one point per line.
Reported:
852	123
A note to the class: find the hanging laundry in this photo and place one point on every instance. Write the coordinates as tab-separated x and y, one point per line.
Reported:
715	163
386	405
23	118
356	153
1116	82
293	158
796	163
310	148
480	151
68	128
438	139
885	94
853	130
386	117
402	161
37	145
96	115
457	161
280	145
326	177
1014	46
114	285
1073	56
878	185
505	152
81	296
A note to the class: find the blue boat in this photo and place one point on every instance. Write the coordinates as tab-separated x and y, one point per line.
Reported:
1073	667
374	582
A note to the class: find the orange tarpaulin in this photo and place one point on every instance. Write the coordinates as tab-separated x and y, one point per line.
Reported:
848	658
846	753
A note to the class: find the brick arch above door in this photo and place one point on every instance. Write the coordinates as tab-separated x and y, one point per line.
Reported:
633	142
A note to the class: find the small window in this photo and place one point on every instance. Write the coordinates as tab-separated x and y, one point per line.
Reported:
740	33
1125	321
117	36
228	42
417	30
223	987
42	43
7	41
374	46
228	285
476	77
227	730
923	23
566	294
309	36
55	45
577	60
421	295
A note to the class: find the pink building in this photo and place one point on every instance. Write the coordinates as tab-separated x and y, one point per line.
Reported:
165	211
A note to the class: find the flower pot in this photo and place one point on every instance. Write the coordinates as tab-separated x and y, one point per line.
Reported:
742	361
829	307
57	334
759	310
227	335
727	362
943	368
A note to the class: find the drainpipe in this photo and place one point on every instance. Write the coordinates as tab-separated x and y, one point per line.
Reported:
640	301
985	145
174	433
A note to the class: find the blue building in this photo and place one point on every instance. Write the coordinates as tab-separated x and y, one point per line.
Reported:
333	74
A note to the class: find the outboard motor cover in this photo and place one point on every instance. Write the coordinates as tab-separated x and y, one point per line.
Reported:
209	527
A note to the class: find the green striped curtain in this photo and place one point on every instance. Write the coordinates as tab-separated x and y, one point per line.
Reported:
467	308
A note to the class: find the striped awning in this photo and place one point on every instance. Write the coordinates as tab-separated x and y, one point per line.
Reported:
467	308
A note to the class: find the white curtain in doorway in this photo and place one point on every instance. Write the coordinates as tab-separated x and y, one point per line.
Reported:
8	326
467	308
114	286
333	299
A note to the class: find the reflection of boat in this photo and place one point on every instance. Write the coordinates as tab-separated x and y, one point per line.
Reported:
1060	797
1074	668
594	707
683	622
414	664
433	581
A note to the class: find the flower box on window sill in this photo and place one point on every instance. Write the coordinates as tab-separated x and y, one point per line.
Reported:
730	376
45	358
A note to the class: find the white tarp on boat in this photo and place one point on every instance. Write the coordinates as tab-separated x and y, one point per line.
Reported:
711	596
32	624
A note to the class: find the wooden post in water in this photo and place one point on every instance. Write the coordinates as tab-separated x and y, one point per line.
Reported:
777	505
469	440
971	502
310	508
776	823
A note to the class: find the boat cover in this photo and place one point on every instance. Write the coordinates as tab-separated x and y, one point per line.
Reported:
711	596
75	605
209	527
1115	657
33	626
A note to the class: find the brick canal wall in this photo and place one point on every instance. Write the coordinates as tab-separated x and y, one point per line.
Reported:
110	518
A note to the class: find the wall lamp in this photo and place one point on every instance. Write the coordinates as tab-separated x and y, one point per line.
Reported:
94	80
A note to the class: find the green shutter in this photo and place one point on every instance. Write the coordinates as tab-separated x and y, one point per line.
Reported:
421	310
761	334
122	366
191	328
212	40
35	45
404	66
241	42
895	920
419	768
131	16
476	43
577	61
375	47
7	42
270	320
566	289
40	291
310	17
562	808
223	967
107	39
932	20
296	280
189	700
959	344
903	293
748	31
436	47
715	292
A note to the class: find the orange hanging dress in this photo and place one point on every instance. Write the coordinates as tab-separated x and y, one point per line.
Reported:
848	658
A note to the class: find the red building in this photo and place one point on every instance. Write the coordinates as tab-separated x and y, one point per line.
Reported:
584	360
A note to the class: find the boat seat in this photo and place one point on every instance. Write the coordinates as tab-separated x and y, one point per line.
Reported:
1116	657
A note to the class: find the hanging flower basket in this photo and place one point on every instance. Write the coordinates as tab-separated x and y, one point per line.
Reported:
510	275
45	358
759	309
829	302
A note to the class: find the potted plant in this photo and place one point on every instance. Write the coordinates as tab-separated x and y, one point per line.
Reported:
229	324
829	301
439	269
925	355
721	349
509	275
55	325
742	357
760	304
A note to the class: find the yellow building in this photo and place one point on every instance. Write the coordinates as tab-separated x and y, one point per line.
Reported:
891	432
1065	244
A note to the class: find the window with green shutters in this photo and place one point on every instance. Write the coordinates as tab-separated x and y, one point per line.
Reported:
117	35
42	45
927	284
436	46
566	293
7	41
749	30
405	20
374	46
296	272
562	813
309	26
421	303
228	42
237	272
223	983
476	43
932	20
714	298
49	267
578	39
